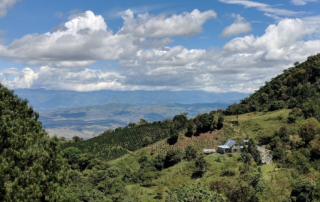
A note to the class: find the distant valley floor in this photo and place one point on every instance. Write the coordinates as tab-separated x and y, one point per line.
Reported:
88	122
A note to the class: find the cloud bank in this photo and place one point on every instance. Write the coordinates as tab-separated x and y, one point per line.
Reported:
146	61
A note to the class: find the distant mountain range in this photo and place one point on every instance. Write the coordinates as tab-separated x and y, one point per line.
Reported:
42	99
86	114
90	121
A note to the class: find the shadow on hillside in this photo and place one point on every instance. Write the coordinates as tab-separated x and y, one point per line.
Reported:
172	140
197	174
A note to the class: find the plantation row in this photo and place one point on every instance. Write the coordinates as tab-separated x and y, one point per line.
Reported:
113	144
199	144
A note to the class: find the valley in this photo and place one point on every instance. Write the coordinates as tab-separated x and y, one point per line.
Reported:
87	122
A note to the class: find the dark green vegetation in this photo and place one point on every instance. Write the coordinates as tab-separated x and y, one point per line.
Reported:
31	166
297	87
115	143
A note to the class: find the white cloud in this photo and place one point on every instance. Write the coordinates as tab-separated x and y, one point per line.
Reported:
146	25
301	2
242	65
4	5
85	38
240	26
82	40
262	7
53	78
281	42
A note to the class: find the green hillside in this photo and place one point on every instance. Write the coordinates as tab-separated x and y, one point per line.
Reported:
181	171
298	86
281	117
113	144
164	160
31	166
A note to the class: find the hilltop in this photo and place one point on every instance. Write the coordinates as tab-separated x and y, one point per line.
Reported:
297	87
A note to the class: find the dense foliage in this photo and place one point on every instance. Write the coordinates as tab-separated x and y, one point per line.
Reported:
31	167
115	143
298	86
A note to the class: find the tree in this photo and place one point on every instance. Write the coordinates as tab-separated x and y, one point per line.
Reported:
191	127
201	164
142	122
179	123
220	122
303	190
278	153
62	139
309	129
31	168
72	154
194	193
131	125
77	138
310	109
173	156
254	152
191	153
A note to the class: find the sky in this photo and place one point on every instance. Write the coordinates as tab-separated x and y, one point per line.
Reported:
209	45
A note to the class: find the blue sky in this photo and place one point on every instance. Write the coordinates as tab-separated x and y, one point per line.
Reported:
216	45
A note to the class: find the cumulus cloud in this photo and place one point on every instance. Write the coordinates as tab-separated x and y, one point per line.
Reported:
146	25
85	38
301	2
4	5
283	41
82	40
243	64
240	26
56	78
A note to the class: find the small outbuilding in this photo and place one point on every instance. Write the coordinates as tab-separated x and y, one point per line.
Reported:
227	147
209	151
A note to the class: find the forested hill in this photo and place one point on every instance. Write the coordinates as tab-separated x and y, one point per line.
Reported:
297	87
31	167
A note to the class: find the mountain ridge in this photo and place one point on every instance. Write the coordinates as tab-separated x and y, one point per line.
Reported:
53	99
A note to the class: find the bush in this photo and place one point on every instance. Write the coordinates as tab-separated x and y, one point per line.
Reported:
227	173
173	156
278	153
113	172
191	153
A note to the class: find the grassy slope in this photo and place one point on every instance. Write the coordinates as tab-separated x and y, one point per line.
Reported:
255	125
262	124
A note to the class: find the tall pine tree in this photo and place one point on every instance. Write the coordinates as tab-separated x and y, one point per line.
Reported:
31	166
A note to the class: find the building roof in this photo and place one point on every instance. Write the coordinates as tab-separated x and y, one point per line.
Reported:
230	143
224	146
